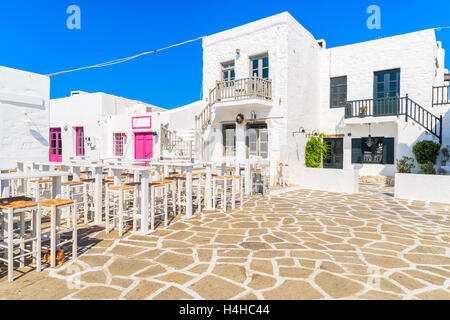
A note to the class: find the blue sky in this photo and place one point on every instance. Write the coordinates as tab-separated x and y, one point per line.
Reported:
35	38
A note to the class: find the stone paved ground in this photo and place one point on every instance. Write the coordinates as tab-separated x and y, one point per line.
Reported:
299	245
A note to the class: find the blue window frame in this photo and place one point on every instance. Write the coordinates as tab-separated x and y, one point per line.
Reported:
338	92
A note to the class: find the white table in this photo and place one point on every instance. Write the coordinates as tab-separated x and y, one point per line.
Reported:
55	175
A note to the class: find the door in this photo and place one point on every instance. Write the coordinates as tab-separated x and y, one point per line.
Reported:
55	146
386	92
334	159
143	145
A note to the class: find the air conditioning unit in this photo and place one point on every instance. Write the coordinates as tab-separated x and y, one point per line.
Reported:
90	142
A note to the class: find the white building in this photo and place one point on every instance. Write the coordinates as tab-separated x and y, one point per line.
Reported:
284	82
92	126
372	100
24	117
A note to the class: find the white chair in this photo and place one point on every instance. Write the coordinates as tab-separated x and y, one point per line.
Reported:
26	237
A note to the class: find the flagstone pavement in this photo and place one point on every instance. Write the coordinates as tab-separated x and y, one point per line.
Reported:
298	245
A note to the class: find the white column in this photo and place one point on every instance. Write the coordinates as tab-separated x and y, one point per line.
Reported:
144	202
208	187
116	174
76	173
65	169
98	175
56	187
241	152
247	177
189	192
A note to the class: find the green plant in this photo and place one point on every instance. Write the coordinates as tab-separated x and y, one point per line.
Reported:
363	109
427	168
426	151
314	151
405	164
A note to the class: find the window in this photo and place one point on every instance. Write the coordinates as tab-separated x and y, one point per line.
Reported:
335	147
118	144
228	71
79	141
259	67
258	140
229	140
379	151
338	92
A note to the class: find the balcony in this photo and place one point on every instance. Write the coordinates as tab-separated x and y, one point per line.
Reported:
375	107
391	108
251	91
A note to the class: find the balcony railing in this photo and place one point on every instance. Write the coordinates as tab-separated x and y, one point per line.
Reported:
375	107
173	144
441	95
395	106
240	89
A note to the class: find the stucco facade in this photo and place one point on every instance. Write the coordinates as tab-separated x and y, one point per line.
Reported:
273	72
300	69
24	117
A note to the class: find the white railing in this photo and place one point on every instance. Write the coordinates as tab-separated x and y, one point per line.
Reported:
175	145
240	89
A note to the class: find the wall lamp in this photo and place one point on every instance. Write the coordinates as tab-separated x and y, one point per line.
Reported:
300	130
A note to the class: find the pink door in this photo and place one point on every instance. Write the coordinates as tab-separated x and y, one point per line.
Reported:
55	146
143	145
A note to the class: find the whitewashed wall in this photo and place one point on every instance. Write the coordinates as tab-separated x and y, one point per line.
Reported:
24	118
331	180
414	54
93	112
430	188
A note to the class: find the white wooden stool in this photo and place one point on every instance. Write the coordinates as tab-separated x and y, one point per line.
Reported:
17	239
77	191
124	203
56	208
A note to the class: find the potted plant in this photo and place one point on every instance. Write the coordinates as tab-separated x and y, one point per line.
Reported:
362	110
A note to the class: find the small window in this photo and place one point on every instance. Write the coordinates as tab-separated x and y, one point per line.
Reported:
118	144
79	133
259	67
376	150
338	92
229	140
258	140
227	71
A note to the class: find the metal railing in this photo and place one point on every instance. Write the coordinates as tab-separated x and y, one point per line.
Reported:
441	95
374	107
395	106
240	89
172	143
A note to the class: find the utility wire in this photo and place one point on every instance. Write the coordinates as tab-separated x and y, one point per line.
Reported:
441	28
117	61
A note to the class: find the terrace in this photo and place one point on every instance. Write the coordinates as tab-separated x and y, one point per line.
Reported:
298	245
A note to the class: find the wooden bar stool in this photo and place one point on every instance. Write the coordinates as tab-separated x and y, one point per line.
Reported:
221	187
17	239
56	208
41	189
90	189
124	203
237	190
259	179
77	191
160	192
